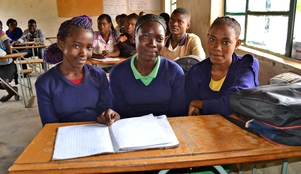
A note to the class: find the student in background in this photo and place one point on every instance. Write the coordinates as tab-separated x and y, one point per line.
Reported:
166	18
121	23
73	90
32	34
180	43
117	28
7	67
142	13
13	32
211	82
126	42
105	39
146	82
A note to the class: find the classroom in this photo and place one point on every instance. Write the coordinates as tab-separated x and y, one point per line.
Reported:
19	125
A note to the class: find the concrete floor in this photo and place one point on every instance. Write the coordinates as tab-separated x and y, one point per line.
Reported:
19	125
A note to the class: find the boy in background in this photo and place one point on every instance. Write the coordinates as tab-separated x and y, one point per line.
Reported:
32	34
180	43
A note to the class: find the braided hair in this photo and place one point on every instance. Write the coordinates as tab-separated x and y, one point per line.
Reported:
228	21
109	20
150	18
53	54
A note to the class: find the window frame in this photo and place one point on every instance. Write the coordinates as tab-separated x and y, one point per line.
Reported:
291	19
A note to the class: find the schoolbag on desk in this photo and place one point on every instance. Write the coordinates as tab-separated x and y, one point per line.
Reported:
270	111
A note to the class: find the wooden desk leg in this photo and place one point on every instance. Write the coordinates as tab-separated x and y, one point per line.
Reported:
284	166
19	69
163	171
44	62
220	169
2	81
254	169
241	166
28	97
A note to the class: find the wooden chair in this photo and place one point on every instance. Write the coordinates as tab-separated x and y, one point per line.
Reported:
187	62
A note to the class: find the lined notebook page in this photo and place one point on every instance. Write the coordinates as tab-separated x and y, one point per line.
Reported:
138	133
82	140
164	123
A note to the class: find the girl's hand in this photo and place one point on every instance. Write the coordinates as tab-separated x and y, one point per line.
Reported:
192	111
105	53
195	107
122	38
108	117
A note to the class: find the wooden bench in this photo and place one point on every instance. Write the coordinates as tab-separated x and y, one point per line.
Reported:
27	92
32	63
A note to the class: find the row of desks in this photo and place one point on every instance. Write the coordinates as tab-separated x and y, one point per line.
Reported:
204	141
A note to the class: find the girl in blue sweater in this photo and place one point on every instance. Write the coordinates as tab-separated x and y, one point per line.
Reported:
211	82
73	91
148	83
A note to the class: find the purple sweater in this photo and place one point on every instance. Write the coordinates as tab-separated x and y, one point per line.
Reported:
242	74
164	95
59	100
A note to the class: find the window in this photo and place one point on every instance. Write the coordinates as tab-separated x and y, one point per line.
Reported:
271	25
173	5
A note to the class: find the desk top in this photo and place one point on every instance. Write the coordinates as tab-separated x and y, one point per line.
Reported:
13	55
204	141
113	62
51	37
27	47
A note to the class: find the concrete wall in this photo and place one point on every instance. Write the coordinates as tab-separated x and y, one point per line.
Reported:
203	13
271	65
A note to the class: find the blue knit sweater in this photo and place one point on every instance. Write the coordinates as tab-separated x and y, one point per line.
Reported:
164	95
242	74
59	100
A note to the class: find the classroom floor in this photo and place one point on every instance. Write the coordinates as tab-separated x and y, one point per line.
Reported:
19	125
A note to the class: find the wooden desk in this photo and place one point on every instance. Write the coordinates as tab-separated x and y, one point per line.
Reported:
204	141
13	55
33	55
8	56
28	47
51	38
114	62
25	83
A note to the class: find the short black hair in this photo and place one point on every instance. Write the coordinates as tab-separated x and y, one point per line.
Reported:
228	21
165	16
150	18
133	16
32	21
11	20
183	11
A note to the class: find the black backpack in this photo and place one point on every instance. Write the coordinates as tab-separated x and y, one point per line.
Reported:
270	111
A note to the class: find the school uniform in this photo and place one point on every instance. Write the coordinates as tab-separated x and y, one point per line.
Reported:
242	74
164	94
189	45
60	100
7	67
100	44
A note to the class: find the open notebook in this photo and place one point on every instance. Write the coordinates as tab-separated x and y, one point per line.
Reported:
137	133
